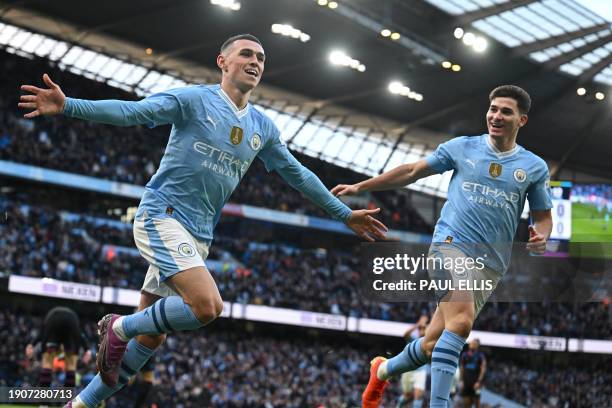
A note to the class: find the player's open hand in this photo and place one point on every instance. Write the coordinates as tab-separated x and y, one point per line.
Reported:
366	226
537	242
345	189
43	101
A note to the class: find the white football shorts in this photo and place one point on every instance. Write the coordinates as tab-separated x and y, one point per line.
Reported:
169	248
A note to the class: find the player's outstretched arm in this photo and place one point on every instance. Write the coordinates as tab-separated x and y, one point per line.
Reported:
152	111
539	231
393	179
305	181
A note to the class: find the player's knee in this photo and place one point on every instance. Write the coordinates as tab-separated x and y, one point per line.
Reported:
151	341
461	324
207	310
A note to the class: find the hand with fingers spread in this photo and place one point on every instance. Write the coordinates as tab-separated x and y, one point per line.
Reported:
366	226
44	101
345	189
537	242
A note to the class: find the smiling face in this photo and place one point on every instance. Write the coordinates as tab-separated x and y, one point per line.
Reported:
504	118
242	64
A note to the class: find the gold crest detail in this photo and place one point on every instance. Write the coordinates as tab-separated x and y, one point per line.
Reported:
236	135
495	170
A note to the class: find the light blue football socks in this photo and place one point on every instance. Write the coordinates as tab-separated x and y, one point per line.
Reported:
411	358
444	361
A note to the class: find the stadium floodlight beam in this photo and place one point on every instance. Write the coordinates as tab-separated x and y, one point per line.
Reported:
322	2
581	91
338	57
600	96
290	31
395	36
469	38
456	67
446	64
480	44
397	88
332	5
385	32
228	4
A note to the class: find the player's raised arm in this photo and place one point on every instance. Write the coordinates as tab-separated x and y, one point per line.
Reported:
276	156
156	110
392	179
361	222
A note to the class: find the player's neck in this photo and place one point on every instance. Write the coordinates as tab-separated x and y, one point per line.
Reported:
503	144
239	98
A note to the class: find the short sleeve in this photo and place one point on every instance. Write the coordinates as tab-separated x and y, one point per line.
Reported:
443	158
538	193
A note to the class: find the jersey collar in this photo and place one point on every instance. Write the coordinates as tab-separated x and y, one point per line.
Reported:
240	113
497	152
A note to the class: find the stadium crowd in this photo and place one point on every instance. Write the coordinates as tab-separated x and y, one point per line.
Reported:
233	369
552	386
223	368
131	154
37	241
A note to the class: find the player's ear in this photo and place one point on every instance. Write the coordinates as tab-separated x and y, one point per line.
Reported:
523	120
221	62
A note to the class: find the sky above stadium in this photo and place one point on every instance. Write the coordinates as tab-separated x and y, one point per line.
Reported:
601	7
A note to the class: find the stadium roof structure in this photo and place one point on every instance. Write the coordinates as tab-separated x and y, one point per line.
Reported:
550	47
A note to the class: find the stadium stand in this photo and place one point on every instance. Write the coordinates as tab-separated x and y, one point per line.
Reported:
36	241
234	366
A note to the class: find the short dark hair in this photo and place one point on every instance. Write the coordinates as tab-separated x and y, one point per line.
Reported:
522	98
227	43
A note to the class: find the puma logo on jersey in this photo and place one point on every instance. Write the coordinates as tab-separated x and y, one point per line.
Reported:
208	118
471	163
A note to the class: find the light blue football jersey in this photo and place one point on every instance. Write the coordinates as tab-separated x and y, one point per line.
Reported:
486	195
211	146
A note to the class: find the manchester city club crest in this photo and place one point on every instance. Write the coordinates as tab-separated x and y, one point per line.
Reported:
520	175
255	142
186	250
495	170
236	135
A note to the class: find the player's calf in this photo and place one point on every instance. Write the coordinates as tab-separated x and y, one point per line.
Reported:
152	341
